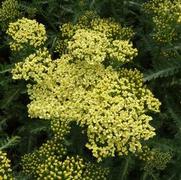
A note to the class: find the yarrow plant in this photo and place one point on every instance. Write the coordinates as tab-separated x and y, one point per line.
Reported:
82	86
78	105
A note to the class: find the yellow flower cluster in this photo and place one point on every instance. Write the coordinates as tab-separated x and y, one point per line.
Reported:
26	32
110	105
54	147
9	12
72	168
166	15
155	159
88	45
91	21
122	51
94	47
51	162
5	167
34	67
111	29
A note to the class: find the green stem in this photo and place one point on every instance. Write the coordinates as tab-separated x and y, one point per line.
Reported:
125	169
145	175
29	144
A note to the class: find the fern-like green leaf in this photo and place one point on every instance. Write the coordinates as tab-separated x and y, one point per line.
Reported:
163	70
6	143
162	73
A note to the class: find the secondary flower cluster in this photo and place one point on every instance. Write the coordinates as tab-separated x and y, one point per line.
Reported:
9	12
110	105
52	148
51	161
26	32
155	159
95	26
166	15
5	167
54	166
73	168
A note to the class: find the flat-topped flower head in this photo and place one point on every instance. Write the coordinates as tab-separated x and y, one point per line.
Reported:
34	67
91	21
111	106
26	32
111	29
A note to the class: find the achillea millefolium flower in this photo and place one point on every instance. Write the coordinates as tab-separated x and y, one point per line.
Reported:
81	86
26	32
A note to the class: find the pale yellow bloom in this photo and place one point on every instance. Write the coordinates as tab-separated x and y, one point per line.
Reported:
26	32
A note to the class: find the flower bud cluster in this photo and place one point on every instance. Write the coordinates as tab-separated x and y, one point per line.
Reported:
9	12
60	128
54	147
5	167
26	32
154	159
166	15
91	174
73	168
70	168
51	162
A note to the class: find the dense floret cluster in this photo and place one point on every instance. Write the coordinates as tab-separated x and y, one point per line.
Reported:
9	12
166	15
71	168
53	147
26	32
108	28
51	161
34	67
5	167
96	97
155	159
74	103
111	105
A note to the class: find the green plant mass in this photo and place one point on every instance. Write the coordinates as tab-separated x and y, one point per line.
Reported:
90	90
